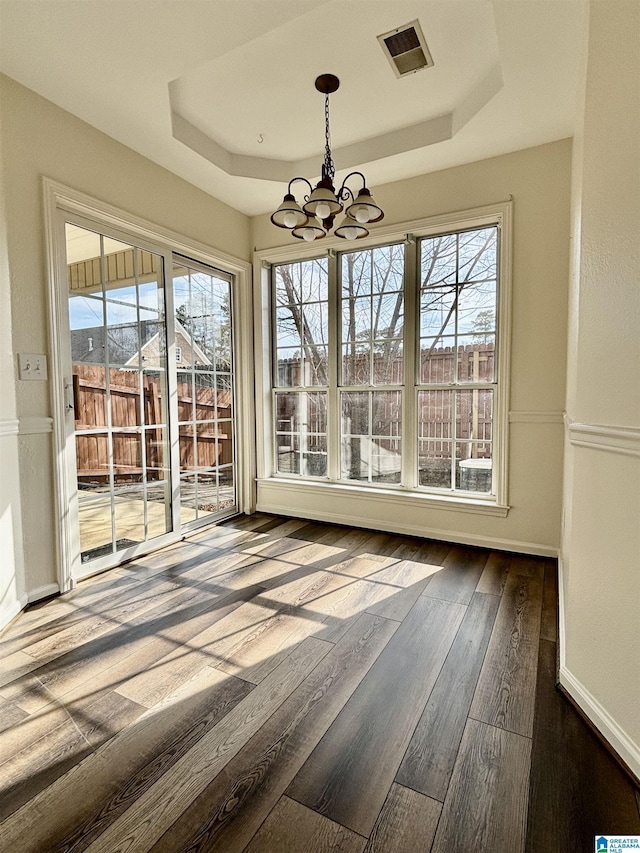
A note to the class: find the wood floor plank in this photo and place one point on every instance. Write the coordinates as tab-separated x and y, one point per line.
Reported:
486	806
10	715
75	635
431	754
154	811
495	573
31	729
236	570
138	624
549	618
38	624
348	775
293	828
392	587
206	647
296	562
295	550
257	522
361	566
577	790
528	566
505	694
75	681
28	693
102	718
230	810
306	585
277	544
39	764
137	647
122	769
459	576
402	584
16	665
407	823
339	595
257	651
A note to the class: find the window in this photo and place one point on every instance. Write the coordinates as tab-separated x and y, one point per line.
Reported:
372	364
301	362
178	354
387	370
458	288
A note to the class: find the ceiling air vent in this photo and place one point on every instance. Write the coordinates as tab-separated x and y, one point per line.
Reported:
406	49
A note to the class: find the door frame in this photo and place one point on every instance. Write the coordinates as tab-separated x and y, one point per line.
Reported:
60	203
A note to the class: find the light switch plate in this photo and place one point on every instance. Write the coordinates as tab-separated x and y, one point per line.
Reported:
32	366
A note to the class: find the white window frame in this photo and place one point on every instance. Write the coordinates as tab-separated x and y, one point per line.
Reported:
499	215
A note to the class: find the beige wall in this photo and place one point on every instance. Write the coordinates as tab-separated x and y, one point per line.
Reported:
600	639
539	181
39	139
11	564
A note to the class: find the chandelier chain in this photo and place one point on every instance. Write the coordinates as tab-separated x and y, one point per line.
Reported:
328	160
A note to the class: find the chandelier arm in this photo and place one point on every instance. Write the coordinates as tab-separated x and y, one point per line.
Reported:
344	193
293	180
345	187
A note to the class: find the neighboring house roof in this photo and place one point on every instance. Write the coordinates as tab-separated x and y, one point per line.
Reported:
88	344
181	332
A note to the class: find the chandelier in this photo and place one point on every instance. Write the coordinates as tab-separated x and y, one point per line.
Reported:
314	219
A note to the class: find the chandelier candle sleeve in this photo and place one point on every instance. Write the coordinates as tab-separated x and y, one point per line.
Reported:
315	217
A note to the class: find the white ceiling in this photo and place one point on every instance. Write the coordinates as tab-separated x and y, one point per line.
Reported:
221	92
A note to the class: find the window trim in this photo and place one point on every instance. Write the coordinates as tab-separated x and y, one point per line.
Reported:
500	215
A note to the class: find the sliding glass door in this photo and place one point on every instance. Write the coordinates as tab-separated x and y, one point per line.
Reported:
204	391
151	395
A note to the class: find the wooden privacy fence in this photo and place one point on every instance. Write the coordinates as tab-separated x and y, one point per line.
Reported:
202	441
473	407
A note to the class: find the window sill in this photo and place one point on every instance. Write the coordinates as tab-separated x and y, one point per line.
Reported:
400	497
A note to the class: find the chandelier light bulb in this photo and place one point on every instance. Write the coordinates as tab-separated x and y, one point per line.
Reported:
350	233
362	215
290	220
323	211
308	235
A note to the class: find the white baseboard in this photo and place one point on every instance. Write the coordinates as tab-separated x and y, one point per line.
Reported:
11	611
628	751
43	592
411	530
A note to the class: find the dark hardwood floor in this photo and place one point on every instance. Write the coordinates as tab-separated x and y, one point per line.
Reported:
280	685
